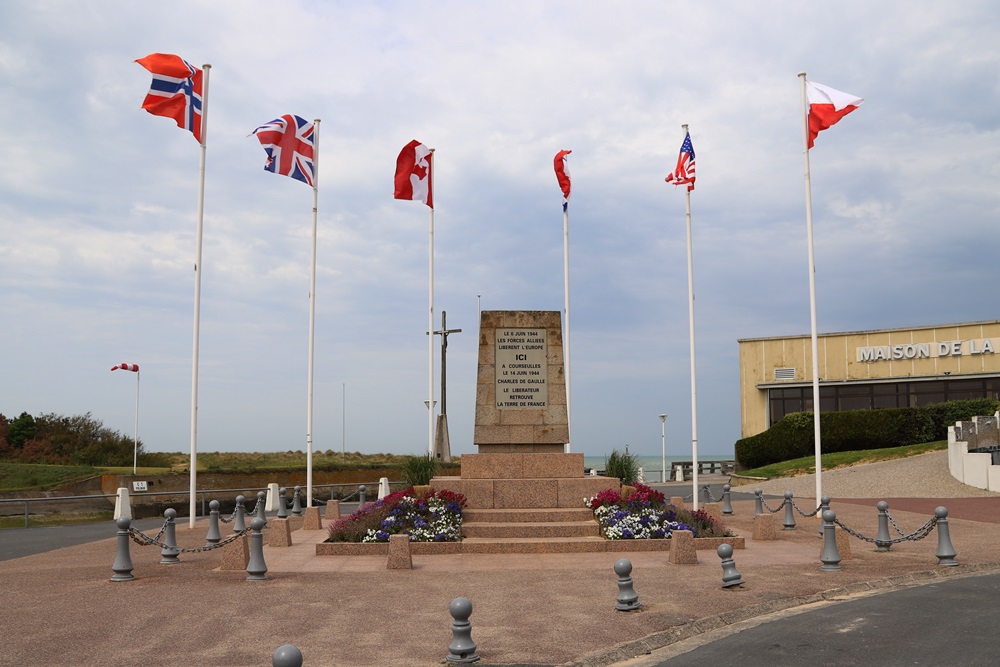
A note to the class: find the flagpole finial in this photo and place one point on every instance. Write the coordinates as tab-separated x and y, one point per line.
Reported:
206	66
315	120
802	74
684	126
432	149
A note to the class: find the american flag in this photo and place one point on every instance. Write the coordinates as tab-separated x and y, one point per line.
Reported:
288	142
126	367
175	92
684	172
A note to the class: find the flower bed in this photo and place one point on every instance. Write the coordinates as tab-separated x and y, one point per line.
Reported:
434	517
645	515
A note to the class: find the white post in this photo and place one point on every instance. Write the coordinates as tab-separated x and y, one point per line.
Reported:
135	449
694	392
430	320
812	295
663	446
312	320
566	355
193	465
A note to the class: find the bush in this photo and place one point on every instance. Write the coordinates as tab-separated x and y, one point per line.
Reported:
854	430
436	517
419	470
646	515
622	466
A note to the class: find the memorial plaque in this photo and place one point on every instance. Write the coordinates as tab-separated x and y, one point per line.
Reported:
521	369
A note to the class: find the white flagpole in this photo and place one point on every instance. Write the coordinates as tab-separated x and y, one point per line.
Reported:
430	319
694	392
135	450
566	356
312	320
812	294
192	506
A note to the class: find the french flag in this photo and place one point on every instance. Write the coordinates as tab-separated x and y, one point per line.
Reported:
826	107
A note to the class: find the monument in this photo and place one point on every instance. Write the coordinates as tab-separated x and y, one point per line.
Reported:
522	424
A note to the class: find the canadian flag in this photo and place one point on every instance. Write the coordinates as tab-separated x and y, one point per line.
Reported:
126	367
826	107
413	173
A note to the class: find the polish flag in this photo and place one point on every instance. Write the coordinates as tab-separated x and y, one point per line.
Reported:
562	175
413	173
826	107
126	367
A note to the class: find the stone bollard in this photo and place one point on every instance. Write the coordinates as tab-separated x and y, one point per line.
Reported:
824	505
789	520
730	577
682	549
883	541
287	656
297	501
262	506
945	551
461	649
399	553
383	487
256	568
677	502
830	555
727	504
169	553
628	599
679	473
282	505
361	496
332	509
763	527
239	521
758	501
122	567
214	536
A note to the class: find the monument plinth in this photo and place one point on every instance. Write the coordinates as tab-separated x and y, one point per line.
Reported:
522	423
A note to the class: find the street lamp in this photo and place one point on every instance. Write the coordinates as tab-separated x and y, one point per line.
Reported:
663	444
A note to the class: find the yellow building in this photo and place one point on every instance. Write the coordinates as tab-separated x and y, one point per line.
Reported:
859	370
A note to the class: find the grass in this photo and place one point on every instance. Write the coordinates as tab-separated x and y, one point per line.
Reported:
56	519
807	464
25	476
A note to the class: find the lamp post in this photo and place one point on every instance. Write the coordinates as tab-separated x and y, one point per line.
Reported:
663	445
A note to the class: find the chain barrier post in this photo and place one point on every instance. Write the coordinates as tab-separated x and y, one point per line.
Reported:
883	541
122	567
287	656
945	551
239	522
830	556
361	496
169	553
727	505
628	599
461	649
262	506
789	521
824	505
282	506
214	536
758	501
297	501
705	495
730	576
256	568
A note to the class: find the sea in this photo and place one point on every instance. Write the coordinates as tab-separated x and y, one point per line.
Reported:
653	465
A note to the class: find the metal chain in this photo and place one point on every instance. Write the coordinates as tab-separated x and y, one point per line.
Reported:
143	540
768	507
892	522
813	513
918	534
708	492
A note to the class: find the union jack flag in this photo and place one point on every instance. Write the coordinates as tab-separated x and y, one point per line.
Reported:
288	142
684	172
175	92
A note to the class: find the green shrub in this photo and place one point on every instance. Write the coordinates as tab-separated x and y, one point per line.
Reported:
853	430
419	470
623	466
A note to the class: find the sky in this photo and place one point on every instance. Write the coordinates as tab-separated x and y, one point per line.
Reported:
98	205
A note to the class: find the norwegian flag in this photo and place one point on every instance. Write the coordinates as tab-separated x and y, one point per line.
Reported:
562	175
175	92
684	172
288	142
126	367
413	173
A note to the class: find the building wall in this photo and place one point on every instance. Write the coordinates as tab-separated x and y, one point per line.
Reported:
863	357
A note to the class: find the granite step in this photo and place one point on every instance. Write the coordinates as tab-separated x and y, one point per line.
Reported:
527	515
534	545
537	530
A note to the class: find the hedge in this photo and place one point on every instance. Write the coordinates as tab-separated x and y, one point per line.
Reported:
851	430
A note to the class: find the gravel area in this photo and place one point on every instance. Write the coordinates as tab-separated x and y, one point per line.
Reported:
922	476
